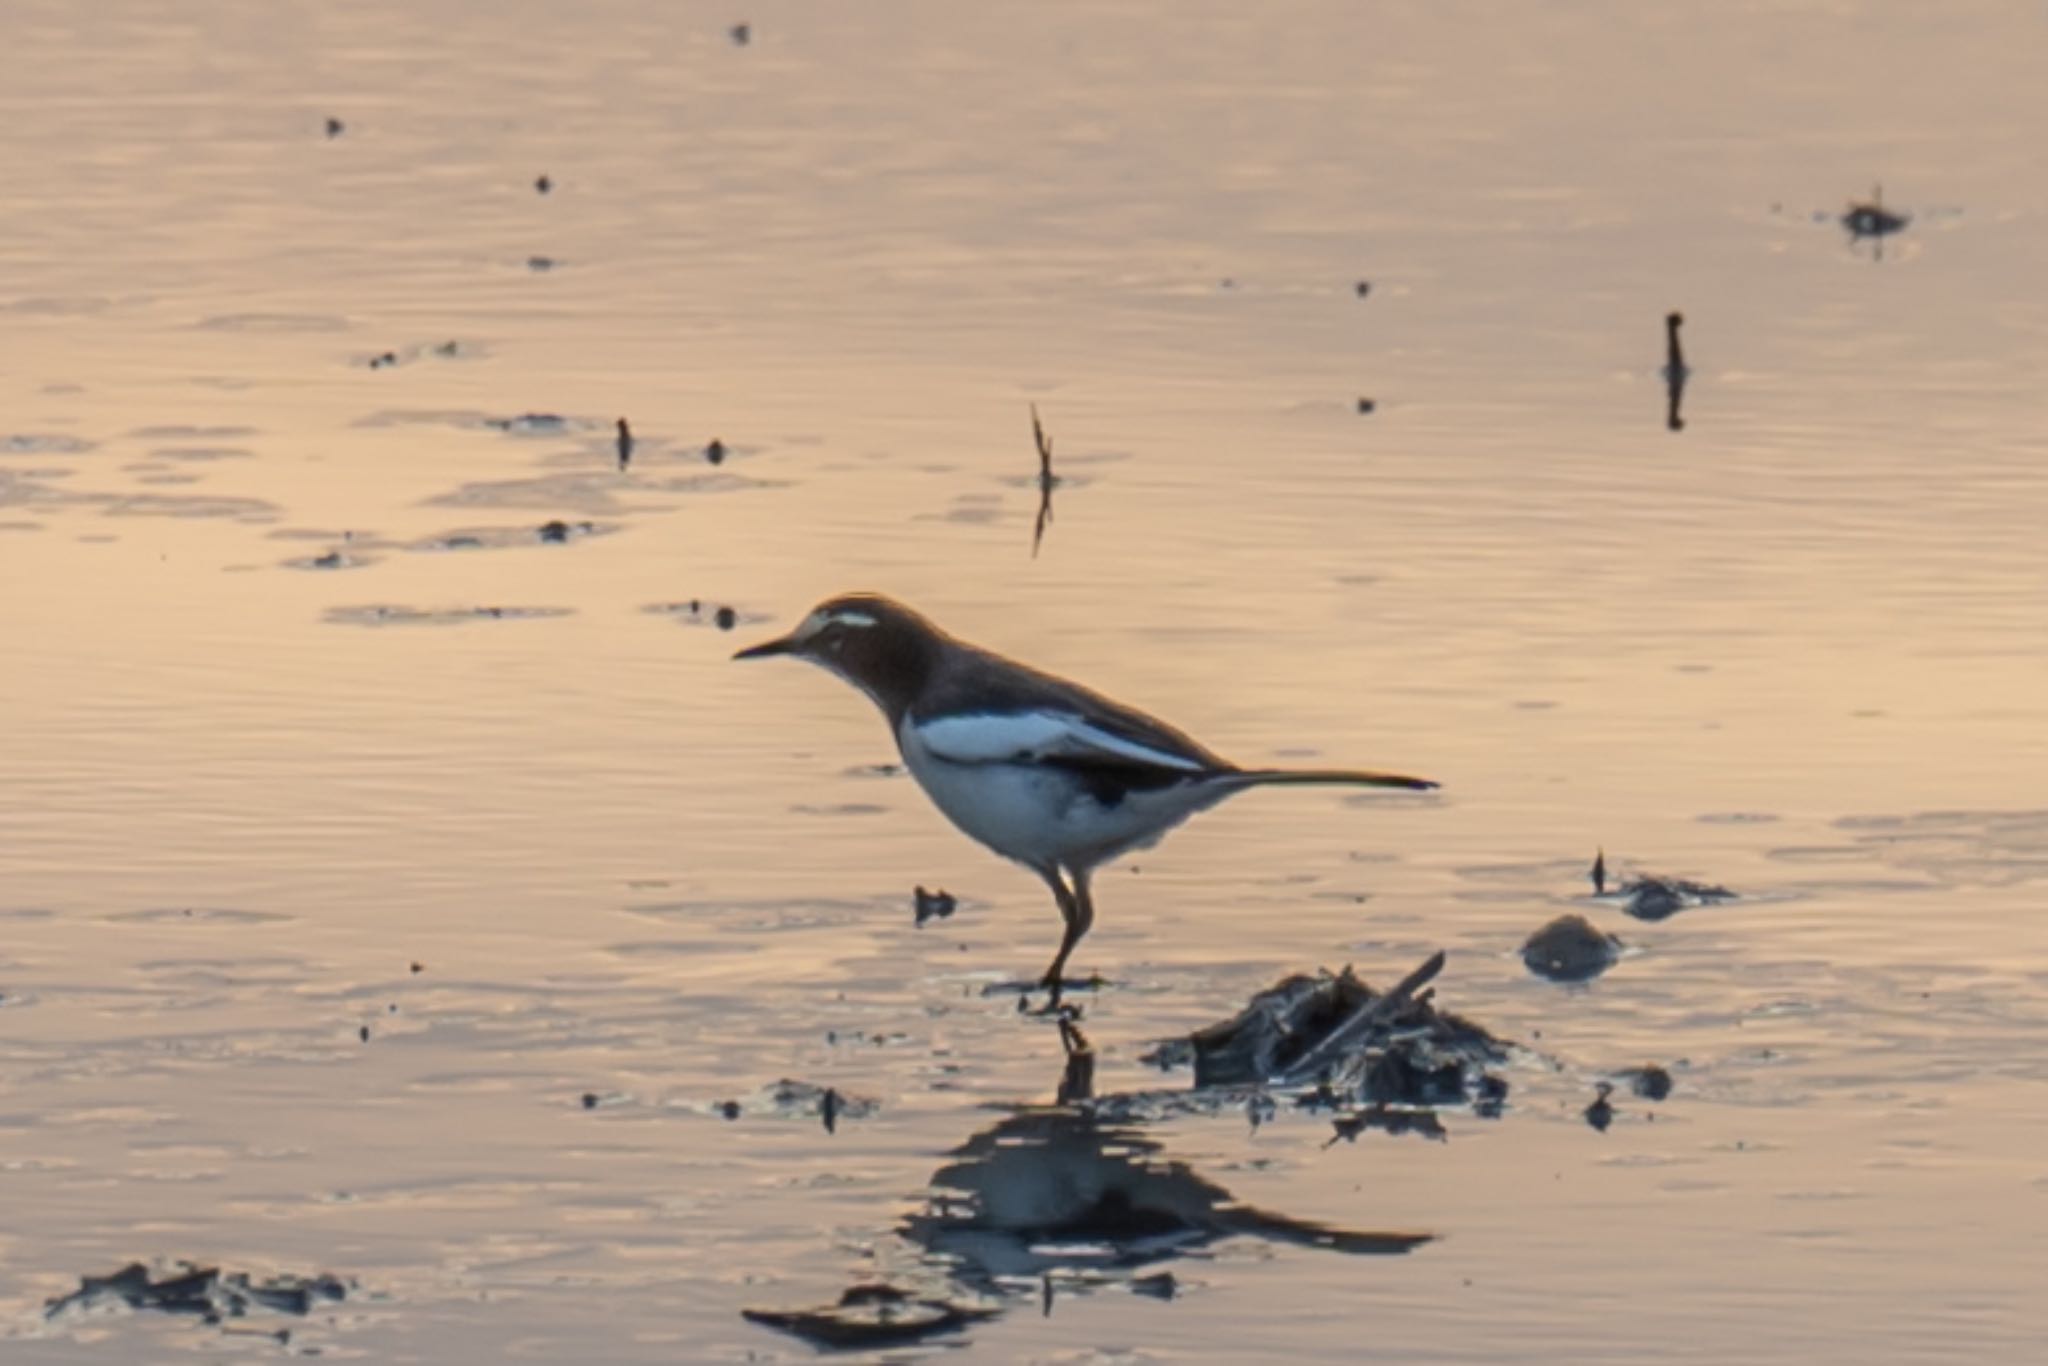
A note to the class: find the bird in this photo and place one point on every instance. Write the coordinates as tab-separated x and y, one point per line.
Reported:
625	444
1044	772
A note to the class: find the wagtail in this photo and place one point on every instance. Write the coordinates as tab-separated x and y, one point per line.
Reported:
1043	771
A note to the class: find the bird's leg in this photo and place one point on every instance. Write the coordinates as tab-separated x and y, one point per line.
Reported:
1070	912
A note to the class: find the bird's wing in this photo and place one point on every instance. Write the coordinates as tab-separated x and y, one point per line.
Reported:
1056	736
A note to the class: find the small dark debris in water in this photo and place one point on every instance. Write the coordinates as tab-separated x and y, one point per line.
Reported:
715	452
1363	288
554	532
418	967
1873	219
1649	1081
590	1100
331	560
1569	949
448	348
1600	1114
1599	873
872	1316
204	1292
741	34
1047	482
541	184
1366	405
540	263
1394	1121
726	618
729	1108
335	128
625	444
933	905
1659	898
828	1110
1159	1286
363	1033
383	359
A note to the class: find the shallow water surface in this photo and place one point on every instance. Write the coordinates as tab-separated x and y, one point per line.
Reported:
392	887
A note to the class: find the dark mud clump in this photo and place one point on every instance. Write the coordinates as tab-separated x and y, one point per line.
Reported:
1569	949
1649	1081
1660	898
1384	1060
205	1292
1600	1114
933	905
872	1316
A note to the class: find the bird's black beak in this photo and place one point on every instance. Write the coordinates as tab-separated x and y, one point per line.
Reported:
781	645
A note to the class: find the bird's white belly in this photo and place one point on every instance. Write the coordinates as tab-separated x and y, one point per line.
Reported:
1043	816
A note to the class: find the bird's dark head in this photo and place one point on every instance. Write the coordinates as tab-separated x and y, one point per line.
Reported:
875	643
1672	320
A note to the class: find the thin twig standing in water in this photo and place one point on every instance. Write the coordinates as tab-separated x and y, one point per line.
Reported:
1047	481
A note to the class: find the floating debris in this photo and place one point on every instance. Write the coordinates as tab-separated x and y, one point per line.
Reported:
715	452
1570	949
542	184
1362	288
1366	405
590	1100
741	34
1600	1114
335	127
540	263
932	905
203	1291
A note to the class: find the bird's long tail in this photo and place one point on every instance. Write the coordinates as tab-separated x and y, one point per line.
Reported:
1331	777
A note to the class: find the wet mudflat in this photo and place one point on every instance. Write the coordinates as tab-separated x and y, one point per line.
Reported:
561	991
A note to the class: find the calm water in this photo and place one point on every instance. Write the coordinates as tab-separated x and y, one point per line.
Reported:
1797	648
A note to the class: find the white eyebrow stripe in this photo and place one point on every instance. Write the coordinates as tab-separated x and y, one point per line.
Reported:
820	619
996	737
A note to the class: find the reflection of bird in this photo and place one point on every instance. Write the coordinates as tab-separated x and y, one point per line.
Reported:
1674	372
1042	771
1050	1188
1049	1195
